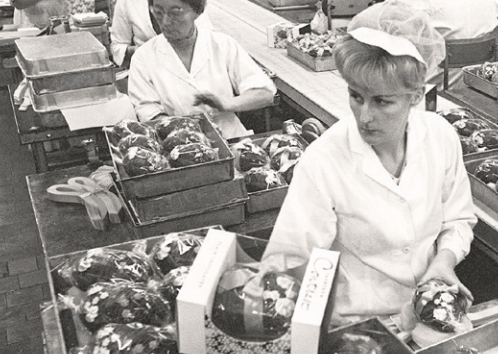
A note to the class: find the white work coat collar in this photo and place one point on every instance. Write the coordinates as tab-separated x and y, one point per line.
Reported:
199	58
368	160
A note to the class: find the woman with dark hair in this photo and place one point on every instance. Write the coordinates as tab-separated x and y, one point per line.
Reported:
190	69
133	25
386	187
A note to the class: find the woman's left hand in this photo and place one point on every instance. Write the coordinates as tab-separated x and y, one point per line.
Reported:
442	267
212	101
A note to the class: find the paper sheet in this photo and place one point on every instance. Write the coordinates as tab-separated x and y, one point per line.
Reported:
100	115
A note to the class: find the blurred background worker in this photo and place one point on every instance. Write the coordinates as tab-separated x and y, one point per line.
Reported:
37	13
133	25
457	19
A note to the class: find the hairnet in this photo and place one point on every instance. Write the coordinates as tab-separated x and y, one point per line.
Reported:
401	20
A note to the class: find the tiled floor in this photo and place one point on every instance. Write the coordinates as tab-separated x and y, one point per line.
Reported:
23	280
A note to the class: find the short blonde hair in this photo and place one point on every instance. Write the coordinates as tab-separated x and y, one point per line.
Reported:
370	66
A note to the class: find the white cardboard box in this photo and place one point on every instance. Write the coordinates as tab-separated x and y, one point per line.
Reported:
197	294
314	303
217	254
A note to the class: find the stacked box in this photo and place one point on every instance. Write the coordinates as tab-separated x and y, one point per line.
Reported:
66	70
191	196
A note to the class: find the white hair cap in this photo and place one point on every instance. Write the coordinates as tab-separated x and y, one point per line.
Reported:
401	20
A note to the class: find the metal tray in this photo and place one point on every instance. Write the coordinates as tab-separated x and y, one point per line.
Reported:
479	189
67	328
191	200
60	53
224	215
270	198
316	63
182	178
471	79
482	338
70	99
375	329
72	80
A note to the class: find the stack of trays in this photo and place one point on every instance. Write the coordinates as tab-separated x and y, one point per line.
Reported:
194	196
66	70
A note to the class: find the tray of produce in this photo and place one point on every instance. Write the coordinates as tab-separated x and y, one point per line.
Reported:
482	77
168	155
313	50
128	290
267	163
482	169
231	213
476	133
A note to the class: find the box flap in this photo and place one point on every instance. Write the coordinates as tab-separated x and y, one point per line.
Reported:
195	300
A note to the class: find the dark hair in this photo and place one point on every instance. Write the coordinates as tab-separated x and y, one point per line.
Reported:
197	5
368	66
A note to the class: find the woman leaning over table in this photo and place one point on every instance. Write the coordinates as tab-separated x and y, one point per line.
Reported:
386	187
133	25
191	69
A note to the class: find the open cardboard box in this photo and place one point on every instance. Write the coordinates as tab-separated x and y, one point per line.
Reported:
220	251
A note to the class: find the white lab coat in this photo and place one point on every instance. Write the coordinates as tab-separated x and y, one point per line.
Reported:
131	26
160	83
342	198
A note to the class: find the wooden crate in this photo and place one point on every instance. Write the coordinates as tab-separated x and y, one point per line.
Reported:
315	63
182	178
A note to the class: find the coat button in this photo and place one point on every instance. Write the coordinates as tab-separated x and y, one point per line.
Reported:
406	249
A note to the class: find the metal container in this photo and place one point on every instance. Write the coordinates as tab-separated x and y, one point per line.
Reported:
225	215
480	190
61	53
482	339
66	330
182	178
325	63
72	98
190	200
471	79
284	3
270	198
372	328
84	78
